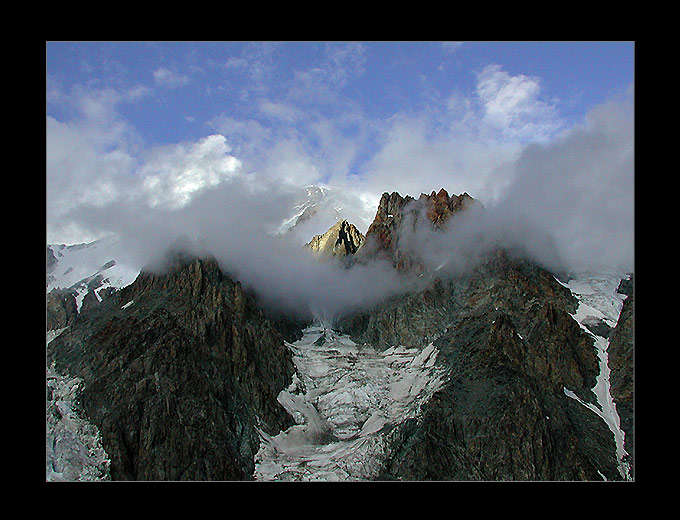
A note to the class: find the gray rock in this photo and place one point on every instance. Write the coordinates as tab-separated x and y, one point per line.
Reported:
60	309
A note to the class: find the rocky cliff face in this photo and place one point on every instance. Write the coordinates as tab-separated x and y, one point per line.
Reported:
512	351
510	348
178	370
60	309
622	365
397	214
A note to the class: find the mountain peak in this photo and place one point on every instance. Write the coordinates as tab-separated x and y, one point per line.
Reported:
382	237
341	239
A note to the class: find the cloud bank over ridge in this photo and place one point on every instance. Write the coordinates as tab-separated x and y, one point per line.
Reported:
504	143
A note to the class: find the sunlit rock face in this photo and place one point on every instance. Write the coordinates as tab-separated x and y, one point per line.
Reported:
342	239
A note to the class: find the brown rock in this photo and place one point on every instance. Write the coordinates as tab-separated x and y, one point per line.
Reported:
397	214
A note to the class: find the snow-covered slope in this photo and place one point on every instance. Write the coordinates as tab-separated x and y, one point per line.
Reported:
81	267
345	399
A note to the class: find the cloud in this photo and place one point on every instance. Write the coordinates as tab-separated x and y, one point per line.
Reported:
256	65
580	188
296	144
204	191
232	222
513	104
451	47
81	168
568	204
418	155
462	142
172	175
281	111
323	82
345	61
566	199
170	79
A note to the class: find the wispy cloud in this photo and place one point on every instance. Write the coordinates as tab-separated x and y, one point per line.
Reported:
280	110
169	78
451	46
322	82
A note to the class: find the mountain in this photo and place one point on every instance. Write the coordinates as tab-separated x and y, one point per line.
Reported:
398	216
518	402
177	373
500	371
342	239
317	208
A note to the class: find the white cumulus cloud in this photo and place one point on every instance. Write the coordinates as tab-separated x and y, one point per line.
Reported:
174	174
513	104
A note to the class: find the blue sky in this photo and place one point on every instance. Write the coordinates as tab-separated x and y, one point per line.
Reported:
159	123
183	86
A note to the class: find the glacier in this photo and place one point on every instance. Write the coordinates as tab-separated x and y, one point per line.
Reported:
73	446
346	399
76	266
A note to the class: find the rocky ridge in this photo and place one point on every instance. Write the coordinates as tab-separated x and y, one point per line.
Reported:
622	362
178	370
511	347
397	214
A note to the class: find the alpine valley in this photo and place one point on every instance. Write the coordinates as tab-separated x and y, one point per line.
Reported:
484	365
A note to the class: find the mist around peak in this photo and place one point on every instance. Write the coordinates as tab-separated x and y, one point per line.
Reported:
567	204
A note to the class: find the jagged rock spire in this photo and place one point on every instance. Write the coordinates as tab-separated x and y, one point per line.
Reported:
341	239
382	237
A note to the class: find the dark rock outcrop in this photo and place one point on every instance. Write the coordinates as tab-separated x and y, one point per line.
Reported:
60	309
50	264
510	347
412	319
622	365
179	370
